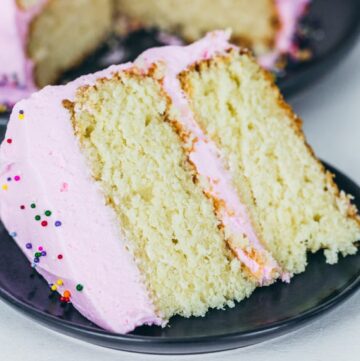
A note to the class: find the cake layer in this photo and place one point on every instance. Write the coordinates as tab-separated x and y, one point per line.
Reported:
206	159
49	203
294	201
138	159
64	34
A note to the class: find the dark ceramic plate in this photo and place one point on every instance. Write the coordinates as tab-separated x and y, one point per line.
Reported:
329	31
269	312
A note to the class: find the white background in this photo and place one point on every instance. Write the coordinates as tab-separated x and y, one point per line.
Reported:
331	114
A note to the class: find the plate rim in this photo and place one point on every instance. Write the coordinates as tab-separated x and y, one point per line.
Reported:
131	342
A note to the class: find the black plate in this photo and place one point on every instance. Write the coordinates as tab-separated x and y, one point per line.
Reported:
269	312
329	30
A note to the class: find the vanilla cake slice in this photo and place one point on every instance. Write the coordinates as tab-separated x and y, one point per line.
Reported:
171	185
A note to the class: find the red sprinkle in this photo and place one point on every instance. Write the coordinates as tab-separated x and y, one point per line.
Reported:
60	256
17	178
9	140
44	223
22	207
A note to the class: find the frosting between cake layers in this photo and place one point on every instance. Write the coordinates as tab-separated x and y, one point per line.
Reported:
42	168
203	153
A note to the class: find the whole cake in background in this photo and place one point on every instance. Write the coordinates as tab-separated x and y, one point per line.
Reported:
41	39
167	186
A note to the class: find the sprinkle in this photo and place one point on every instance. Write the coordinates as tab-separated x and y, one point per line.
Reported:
60	282
60	256
40	248
28	245
33	205
53	287
37	254
67	294
17	178
58	224
43	253
44	223
47	213
37	218
9	140
79	287
36	260
64	299
9	179
13	234
22	207
4	187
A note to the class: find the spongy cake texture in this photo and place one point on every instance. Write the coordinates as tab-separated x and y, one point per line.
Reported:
173	233
297	206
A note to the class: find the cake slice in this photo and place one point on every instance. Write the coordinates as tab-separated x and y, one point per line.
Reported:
171	185
42	39
267	27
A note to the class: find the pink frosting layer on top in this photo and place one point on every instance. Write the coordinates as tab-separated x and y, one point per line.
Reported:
46	168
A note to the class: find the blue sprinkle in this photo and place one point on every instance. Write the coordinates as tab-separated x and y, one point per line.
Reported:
13	234
57	224
28	245
36	260
9	179
43	253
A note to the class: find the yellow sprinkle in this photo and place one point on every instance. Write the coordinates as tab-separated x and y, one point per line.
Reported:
4	187
60	282
21	116
53	288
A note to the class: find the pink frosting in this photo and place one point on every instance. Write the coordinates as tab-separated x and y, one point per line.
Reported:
290	12
16	69
204	153
44	154
41	163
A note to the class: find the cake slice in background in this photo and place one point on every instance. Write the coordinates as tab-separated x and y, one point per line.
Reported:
267	27
42	39
167	186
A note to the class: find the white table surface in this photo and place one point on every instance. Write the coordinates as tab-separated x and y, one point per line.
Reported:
331	113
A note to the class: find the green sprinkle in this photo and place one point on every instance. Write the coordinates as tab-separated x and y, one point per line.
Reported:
38	254
33	205
37	218
79	287
47	213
